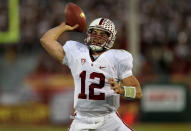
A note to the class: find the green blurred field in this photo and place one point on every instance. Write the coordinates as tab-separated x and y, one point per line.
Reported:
32	128
163	127
138	127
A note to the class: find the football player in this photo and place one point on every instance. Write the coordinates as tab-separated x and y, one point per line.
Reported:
100	75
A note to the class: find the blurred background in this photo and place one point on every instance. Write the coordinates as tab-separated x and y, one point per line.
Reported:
36	92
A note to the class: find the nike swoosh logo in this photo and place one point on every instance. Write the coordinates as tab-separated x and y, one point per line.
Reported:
101	67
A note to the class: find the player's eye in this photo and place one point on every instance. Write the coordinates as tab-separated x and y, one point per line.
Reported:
107	33
101	33
94	32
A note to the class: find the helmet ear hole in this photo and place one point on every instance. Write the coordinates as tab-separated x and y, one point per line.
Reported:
90	30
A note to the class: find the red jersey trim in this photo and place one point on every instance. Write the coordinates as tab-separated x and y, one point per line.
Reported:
71	121
124	122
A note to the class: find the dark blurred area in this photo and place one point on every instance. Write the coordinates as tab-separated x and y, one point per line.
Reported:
165	37
28	73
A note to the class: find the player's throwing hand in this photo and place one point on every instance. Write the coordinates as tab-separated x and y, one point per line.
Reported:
68	27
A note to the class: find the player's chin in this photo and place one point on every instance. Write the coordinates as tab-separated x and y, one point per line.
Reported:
95	42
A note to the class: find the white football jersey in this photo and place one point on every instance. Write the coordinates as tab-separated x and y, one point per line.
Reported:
93	94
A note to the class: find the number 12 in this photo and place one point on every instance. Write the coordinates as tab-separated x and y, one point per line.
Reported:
101	84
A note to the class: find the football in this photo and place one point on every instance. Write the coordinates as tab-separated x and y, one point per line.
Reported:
75	15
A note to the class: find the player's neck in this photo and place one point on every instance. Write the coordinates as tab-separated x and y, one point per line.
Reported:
96	52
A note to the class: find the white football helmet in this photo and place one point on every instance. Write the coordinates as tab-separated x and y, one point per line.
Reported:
105	25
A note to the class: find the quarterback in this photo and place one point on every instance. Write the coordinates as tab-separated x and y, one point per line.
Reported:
100	75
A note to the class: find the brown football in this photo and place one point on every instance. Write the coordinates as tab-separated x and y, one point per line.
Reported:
75	15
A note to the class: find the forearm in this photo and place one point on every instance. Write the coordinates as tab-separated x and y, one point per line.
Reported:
129	87
134	86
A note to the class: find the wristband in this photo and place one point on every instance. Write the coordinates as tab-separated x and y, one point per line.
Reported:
130	91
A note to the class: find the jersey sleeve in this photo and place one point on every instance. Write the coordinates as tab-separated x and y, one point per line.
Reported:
68	47
125	65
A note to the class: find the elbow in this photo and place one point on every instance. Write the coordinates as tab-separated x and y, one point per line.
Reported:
42	41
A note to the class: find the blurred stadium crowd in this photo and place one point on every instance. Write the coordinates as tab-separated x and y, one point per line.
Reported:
166	37
165	32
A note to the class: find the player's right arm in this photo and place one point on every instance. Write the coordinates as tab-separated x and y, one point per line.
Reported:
50	43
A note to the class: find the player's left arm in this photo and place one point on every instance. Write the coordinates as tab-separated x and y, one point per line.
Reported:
129	87
131	84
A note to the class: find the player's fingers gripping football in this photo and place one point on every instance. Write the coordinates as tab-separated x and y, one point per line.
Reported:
68	27
114	85
74	27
